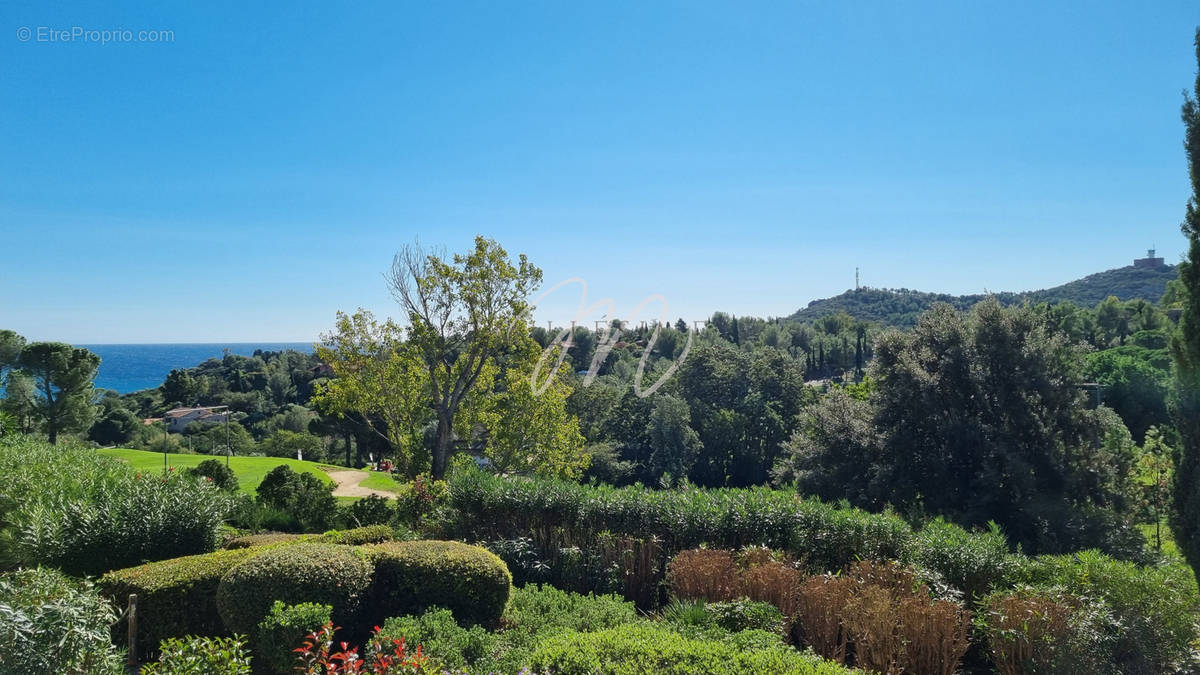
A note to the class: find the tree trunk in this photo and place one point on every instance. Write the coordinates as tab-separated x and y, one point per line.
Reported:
349	459
52	431
445	447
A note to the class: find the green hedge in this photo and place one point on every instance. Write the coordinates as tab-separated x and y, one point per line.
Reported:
648	648
491	507
411	576
176	597
1155	606
370	534
323	573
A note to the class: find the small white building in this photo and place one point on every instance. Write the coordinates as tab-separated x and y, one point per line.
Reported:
178	419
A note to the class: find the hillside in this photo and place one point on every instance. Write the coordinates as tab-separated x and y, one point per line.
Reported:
901	307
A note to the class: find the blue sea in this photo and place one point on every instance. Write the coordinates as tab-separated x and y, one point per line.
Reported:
126	368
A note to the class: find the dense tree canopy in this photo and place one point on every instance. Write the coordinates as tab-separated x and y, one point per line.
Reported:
975	417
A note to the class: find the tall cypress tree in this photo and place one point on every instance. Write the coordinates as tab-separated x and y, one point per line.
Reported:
1185	349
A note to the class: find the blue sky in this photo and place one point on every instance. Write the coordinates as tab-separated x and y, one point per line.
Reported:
255	174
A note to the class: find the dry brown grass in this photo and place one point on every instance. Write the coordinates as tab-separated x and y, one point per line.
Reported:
704	574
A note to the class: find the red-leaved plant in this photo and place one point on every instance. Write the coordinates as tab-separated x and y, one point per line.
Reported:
316	656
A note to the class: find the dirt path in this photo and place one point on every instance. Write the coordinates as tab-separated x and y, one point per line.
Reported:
348	485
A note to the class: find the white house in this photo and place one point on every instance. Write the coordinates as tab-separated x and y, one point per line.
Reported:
178	419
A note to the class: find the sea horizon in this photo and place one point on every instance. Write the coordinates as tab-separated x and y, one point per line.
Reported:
127	367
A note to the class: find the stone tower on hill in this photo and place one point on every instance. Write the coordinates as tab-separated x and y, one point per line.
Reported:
1149	262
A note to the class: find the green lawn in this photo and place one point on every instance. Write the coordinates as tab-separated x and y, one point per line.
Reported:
250	470
1168	541
378	480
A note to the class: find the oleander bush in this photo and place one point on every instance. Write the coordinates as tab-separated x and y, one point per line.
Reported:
307	572
200	656
50	623
284	627
70	508
974	563
494	507
653	648
412	576
1154	605
176	597
555	531
1030	630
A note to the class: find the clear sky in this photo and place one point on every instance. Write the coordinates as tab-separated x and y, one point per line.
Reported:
253	174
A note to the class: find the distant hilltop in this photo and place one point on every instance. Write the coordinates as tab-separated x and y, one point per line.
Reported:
1146	279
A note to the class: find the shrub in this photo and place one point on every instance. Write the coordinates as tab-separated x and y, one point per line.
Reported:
265	539
775	583
316	656
370	510
704	574
556	516
301	495
1032	631
412	576
85	514
200	656
648	648
820	606
175	597
885	612
370	534
52	624
286	626
540	608
687	613
419	498
215	471
323	573
534	613
1154	605
936	635
973	563
830	538
446	643
743	614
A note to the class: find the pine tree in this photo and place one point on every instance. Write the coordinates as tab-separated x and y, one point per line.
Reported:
1185	349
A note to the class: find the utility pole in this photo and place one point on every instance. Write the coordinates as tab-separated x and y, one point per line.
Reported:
856	286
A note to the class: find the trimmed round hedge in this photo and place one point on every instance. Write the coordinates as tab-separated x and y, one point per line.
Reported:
176	597
322	573
412	576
